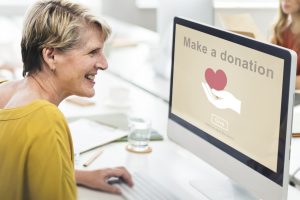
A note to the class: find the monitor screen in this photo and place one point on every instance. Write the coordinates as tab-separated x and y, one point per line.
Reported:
234	93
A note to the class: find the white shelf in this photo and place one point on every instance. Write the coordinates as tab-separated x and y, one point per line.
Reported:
229	4
146	4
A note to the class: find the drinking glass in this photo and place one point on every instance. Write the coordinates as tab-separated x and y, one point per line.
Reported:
139	135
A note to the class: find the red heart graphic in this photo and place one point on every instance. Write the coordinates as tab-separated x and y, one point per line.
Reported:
216	80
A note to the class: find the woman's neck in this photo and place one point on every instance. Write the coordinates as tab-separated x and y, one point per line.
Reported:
45	88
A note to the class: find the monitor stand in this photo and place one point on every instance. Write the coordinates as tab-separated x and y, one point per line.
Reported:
220	188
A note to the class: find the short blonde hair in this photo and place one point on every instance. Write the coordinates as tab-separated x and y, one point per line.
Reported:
54	24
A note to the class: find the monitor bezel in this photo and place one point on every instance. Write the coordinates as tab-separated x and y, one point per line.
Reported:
276	177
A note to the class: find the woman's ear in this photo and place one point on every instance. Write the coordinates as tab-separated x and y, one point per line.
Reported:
48	57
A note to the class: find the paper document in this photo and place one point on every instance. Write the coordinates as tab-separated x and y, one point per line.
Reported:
296	119
87	134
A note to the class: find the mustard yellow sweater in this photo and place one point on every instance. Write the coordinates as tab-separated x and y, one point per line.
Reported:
36	154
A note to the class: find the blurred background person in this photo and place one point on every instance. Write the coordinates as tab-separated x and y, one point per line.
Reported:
286	31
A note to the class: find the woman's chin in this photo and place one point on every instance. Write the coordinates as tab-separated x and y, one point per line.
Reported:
87	93
91	94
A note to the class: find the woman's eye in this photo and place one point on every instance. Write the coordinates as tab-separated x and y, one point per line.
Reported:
93	52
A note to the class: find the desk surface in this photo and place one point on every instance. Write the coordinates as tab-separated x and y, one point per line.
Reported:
180	166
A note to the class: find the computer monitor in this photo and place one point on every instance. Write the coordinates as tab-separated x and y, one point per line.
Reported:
231	104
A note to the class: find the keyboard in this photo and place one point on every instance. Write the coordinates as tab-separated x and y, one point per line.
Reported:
145	188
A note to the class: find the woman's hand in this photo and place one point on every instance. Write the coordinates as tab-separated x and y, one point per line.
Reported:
97	179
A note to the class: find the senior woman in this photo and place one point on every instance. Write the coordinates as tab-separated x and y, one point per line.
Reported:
62	52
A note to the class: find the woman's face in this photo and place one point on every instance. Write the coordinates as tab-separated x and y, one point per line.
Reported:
76	69
290	6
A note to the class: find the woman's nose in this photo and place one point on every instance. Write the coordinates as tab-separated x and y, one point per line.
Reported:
102	63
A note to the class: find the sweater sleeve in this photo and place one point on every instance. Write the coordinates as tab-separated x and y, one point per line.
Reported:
50	165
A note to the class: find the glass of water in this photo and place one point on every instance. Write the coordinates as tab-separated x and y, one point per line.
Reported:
139	135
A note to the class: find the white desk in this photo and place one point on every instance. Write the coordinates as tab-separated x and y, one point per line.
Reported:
166	160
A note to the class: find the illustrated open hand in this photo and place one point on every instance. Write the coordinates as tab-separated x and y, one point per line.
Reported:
222	99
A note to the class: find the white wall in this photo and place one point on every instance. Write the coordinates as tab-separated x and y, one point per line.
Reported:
127	11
